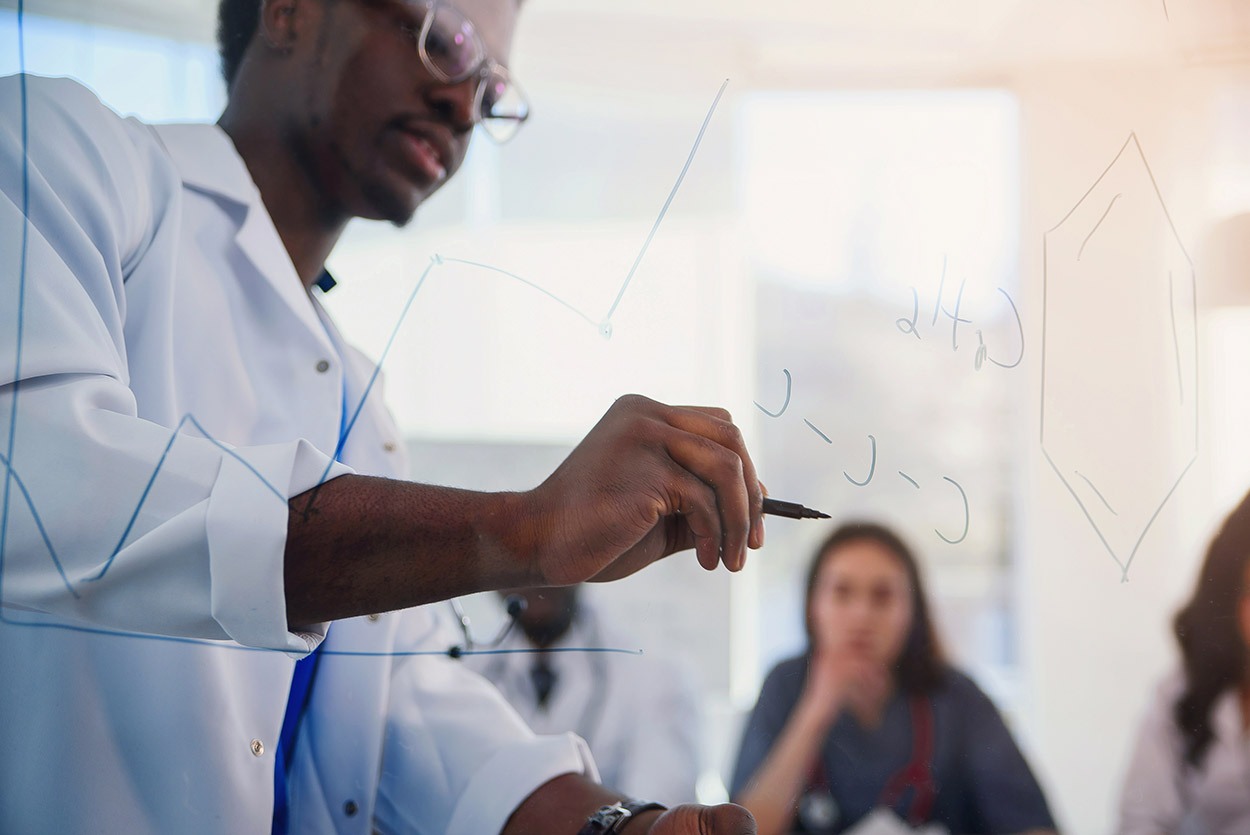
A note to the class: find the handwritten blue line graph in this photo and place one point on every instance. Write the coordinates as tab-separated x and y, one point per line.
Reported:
12	477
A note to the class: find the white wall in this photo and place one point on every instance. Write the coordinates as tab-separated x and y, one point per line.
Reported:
1093	647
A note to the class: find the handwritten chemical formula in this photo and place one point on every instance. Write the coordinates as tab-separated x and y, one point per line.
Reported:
909	325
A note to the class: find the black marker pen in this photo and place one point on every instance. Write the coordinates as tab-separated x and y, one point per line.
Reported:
791	510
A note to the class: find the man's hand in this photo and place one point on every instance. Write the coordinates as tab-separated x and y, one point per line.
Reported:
648	480
726	819
562	806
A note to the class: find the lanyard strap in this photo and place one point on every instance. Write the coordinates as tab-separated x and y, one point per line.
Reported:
918	773
296	703
304	675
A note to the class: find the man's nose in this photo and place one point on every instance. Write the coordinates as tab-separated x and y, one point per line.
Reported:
454	102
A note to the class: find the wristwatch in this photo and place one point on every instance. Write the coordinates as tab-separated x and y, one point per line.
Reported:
610	820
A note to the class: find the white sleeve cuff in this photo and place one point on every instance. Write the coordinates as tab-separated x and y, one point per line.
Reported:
511	775
247	524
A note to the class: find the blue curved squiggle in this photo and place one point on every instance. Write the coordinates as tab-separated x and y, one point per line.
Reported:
872	468
785	405
963	496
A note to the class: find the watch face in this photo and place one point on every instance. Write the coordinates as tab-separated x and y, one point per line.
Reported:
818	811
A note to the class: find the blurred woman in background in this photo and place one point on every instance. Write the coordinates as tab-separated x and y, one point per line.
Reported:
871	720
1190	771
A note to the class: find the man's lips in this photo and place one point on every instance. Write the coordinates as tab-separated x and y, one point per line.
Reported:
424	155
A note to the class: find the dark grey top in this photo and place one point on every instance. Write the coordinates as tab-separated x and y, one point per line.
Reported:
983	783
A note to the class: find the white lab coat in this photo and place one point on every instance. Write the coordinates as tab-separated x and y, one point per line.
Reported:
638	713
1163	795
156	287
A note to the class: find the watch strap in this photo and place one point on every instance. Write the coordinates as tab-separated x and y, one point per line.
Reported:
611	819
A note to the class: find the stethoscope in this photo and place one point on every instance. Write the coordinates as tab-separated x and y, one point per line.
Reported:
592	713
514	604
818	811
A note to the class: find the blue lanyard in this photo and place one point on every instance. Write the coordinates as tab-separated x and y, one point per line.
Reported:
301	683
297	701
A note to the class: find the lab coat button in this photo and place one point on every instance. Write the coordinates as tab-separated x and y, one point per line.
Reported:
373	618
350	808
389	446
258	747
323	366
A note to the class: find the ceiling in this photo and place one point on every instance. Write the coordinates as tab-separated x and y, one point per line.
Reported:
787	37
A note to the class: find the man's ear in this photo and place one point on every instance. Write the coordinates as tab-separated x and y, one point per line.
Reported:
279	24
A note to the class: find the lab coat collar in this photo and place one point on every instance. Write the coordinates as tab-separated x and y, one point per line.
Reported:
208	162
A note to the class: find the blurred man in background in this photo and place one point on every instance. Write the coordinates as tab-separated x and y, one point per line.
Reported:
639	713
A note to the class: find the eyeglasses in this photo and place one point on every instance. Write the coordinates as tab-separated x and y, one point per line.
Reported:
452	51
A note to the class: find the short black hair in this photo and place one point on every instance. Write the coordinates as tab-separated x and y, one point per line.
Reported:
237	21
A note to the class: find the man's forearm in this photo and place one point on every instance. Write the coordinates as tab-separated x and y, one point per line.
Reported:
359	545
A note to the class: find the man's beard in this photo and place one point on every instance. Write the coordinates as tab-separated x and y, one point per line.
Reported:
387	205
546	634
381	202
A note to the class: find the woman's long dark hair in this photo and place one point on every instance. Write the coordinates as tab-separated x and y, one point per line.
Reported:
921	663
1212	649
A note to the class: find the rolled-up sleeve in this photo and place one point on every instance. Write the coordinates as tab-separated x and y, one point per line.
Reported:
113	520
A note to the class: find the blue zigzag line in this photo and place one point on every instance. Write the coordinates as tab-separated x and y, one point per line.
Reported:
30	503
160	463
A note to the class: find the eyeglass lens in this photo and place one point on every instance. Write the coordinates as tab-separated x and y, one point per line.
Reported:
451	44
455	51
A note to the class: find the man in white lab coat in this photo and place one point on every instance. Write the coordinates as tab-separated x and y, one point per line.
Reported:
197	471
638	713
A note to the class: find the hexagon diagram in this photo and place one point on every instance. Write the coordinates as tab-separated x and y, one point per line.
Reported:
1119	420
